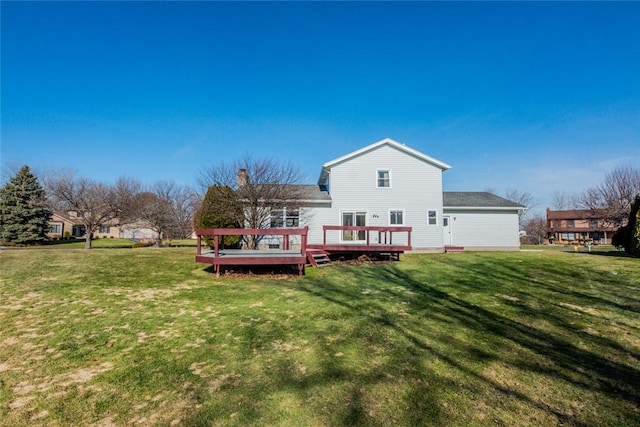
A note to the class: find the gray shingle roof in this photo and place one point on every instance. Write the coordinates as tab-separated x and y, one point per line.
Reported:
313	192
476	199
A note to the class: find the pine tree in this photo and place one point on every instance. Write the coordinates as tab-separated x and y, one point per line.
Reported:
24	216
628	237
633	243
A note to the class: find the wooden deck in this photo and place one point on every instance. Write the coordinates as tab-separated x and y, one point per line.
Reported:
375	240
221	257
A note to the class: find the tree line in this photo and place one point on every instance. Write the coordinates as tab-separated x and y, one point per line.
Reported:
237	194
26	205
226	199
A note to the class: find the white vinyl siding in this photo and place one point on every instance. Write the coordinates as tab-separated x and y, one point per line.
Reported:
396	217
383	178
484	228
416	186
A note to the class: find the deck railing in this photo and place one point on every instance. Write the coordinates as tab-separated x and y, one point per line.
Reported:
286	234
385	233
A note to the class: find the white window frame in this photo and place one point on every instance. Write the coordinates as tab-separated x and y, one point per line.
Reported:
429	217
355	213
104	229
286	216
55	228
388	171
404	217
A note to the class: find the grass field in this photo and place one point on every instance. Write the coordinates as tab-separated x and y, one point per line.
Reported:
148	337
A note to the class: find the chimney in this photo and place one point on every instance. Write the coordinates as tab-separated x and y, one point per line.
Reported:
243	178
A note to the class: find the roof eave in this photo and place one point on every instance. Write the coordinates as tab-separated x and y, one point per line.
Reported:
390	142
487	208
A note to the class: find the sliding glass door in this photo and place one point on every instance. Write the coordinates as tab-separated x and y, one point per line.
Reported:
351	218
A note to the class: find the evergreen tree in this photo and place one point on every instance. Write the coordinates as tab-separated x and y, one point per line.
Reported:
628	236
634	226
220	209
24	216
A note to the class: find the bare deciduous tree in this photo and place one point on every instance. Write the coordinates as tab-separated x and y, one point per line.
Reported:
520	197
168	209
94	202
261	184
536	229
562	201
126	191
612	198
180	202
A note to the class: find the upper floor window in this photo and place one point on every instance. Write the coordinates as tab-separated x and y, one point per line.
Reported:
384	178
432	217
571	223
593	223
396	217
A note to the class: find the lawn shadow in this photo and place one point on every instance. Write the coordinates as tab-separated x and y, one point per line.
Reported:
557	357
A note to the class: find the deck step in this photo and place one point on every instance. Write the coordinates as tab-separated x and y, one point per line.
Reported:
318	258
453	249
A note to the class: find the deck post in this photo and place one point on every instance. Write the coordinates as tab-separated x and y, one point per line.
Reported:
215	244
409	237
199	250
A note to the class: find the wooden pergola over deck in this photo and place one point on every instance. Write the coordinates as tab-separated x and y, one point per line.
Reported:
221	257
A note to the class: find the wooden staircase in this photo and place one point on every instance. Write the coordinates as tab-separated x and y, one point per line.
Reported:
318	258
453	249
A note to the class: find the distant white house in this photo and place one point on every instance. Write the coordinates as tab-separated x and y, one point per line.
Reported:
390	184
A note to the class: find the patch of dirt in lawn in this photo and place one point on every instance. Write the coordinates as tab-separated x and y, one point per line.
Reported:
85	375
21	402
12	303
141	295
588	310
170	410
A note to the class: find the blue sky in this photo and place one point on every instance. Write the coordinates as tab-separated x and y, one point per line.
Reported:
541	97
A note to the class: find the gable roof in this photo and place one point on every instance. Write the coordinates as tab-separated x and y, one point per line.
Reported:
64	216
387	141
477	200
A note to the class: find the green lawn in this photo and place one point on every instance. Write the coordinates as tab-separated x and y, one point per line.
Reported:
79	244
149	337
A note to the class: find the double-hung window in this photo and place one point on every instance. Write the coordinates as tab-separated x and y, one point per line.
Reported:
396	217
432	217
289	218
383	178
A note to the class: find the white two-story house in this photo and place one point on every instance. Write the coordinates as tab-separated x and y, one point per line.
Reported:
390	184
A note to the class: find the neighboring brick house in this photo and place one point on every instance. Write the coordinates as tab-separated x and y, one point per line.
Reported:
578	225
